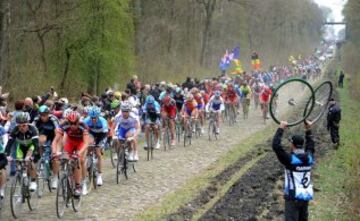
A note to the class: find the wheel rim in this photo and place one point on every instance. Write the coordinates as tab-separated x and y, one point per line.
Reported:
16	197
61	196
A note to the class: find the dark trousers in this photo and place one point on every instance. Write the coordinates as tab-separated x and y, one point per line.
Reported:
334	133
296	210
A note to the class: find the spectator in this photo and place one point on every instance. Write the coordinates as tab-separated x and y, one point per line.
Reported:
298	190
132	85
333	122
29	107
341	79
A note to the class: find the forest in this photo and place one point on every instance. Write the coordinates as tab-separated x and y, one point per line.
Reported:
88	45
350	53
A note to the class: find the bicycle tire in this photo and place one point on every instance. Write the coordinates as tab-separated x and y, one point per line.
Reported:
113	154
17	183
121	153
89	178
61	196
94	177
210	132
312	103
33	197
75	201
321	113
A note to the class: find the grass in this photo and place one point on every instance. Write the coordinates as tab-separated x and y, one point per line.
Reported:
172	201
339	171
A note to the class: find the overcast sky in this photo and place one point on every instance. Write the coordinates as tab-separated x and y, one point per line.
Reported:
336	7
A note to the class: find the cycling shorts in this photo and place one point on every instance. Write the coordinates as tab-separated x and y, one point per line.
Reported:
3	161
21	151
99	139
72	145
149	120
123	131
170	110
200	106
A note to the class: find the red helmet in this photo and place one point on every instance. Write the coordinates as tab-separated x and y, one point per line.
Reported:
166	100
73	117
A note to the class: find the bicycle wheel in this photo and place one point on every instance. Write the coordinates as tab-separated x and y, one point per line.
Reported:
62	195
120	163
33	197
94	176
113	154
42	182
289	100
17	198
165	137
323	94
89	175
75	201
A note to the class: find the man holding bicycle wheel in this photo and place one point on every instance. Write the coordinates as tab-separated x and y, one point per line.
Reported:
298	189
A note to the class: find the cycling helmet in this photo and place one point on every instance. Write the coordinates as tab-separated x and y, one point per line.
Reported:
43	109
73	116
115	104
64	100
126	106
86	110
150	99
217	94
190	97
94	112
178	90
22	118
117	95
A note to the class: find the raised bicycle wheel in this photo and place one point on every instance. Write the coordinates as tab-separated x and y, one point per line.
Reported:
289	101
323	93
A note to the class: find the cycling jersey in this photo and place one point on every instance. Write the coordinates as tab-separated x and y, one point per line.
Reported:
298	165
124	125
24	141
199	100
265	94
47	128
231	96
98	130
245	91
190	106
152	112
169	106
100	126
215	104
75	134
179	99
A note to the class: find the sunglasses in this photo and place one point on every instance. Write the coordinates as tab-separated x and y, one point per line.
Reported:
22	125
73	123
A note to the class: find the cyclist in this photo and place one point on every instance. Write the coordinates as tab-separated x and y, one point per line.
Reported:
189	110
264	100
151	111
231	97
216	105
179	99
127	127
168	110
26	139
200	106
98	128
256	88
246	95
76	141
47	125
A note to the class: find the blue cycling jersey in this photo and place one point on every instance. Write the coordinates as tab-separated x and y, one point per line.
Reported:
100	126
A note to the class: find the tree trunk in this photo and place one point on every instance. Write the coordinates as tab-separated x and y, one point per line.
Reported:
4	39
209	11
66	70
